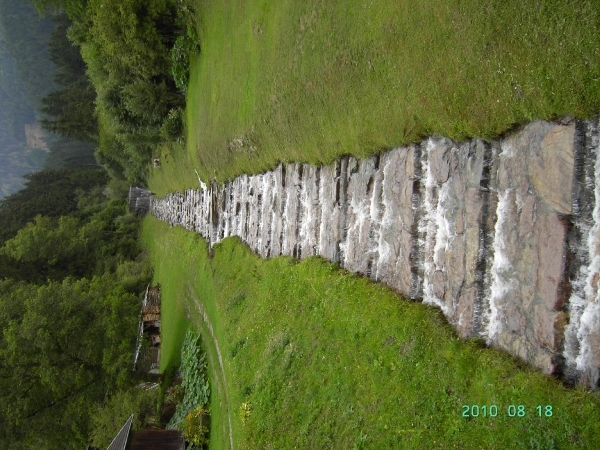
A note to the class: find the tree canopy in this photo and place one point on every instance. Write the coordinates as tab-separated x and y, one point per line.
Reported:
72	106
62	346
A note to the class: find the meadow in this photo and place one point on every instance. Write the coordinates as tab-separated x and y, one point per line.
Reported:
301	354
304	355
309	81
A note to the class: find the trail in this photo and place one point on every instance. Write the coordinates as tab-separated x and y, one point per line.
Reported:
223	384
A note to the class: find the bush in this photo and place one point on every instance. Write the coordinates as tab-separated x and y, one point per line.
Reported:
185	46
196	433
196	391
180	61
172	127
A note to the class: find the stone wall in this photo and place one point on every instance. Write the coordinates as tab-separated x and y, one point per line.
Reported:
503	236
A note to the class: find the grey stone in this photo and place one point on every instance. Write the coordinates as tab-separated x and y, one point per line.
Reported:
422	226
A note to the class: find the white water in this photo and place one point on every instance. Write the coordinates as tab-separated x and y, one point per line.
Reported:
584	304
436	228
308	217
501	271
384	249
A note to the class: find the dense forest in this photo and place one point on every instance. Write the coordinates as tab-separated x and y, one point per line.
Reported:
105	80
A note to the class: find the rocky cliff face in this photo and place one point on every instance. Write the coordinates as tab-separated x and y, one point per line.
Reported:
503	236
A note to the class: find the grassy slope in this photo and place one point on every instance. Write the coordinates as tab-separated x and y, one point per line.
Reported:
325	359
174	321
308	81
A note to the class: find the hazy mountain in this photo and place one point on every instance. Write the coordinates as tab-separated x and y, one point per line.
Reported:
26	74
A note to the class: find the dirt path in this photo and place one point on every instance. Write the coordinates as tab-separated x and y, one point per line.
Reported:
219	379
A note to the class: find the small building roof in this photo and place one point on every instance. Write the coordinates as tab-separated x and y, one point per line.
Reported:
139	200
120	440
147	439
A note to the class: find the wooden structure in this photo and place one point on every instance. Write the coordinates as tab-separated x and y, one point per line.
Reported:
139	200
147	356
146	439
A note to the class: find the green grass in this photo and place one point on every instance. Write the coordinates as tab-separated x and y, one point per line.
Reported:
184	271
311	80
174	322
176	172
325	359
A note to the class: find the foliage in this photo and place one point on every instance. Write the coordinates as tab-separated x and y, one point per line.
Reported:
174	394
73	246
195	432
181	53
71	107
172	127
245	411
50	193
66	153
63	345
126	47
186	45
107	419
194	381
134	275
73	110
65	341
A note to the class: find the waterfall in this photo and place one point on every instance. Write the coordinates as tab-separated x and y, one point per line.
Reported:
501	268
435	227
582	333
469	229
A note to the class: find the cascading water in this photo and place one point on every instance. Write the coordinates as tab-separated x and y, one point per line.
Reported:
435	228
476	232
583	331
500	271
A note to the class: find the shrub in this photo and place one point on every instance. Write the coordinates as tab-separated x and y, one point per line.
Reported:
180	61
172	127
196	391
107	420
185	45
195	431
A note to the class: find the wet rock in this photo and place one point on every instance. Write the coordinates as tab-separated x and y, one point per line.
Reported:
551	162
358	254
503	236
465	310
548	262
395	234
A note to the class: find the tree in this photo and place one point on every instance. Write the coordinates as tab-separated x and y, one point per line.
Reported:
51	193
149	101
71	108
73	112
126	35
63	345
70	246
108	419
